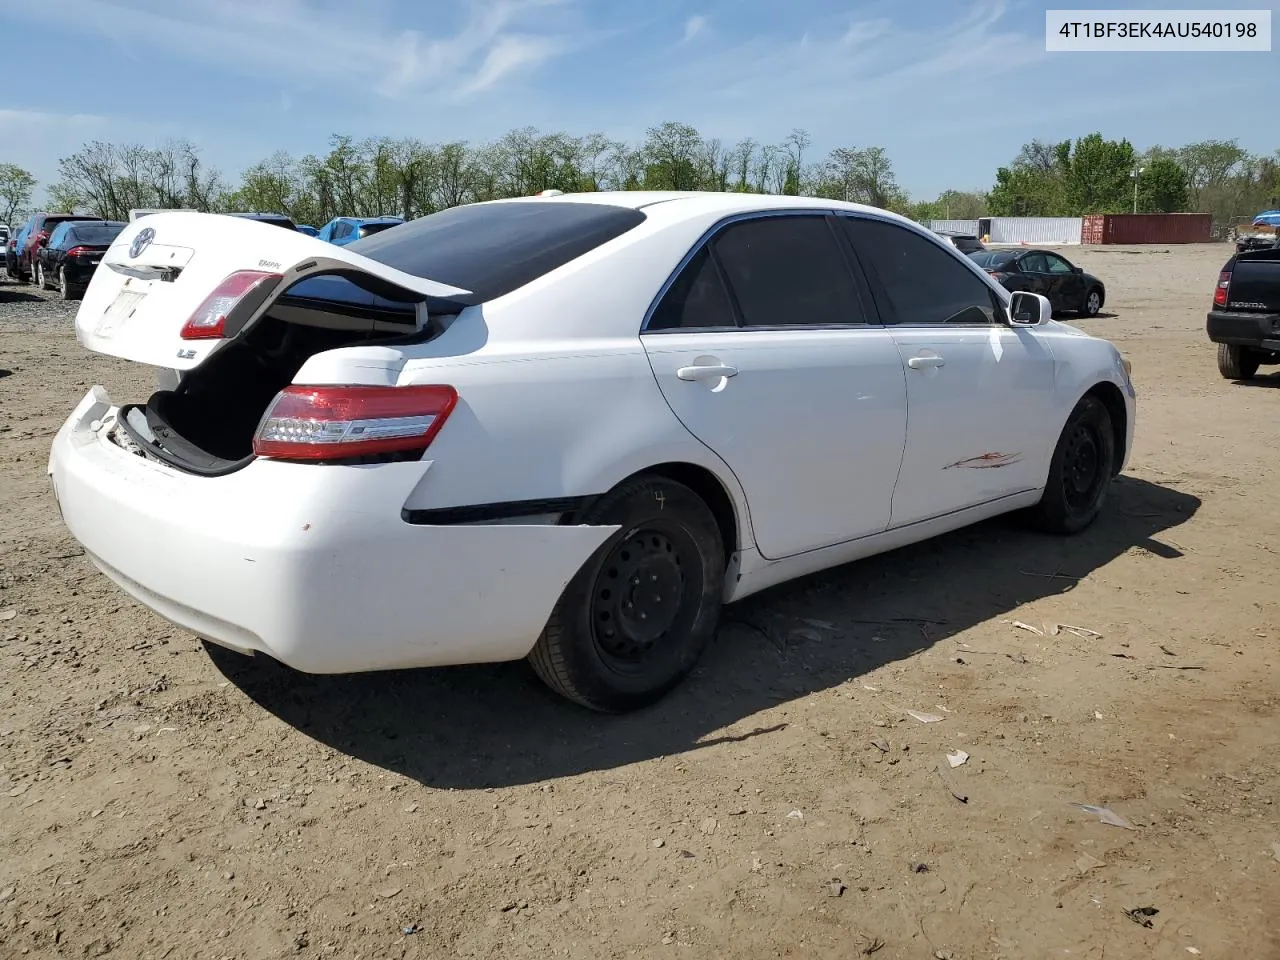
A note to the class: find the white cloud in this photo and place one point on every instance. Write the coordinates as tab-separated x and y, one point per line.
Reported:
841	78
346	47
693	26
508	55
864	31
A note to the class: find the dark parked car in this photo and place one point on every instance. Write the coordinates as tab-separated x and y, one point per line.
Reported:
275	219
964	242
1048	274
1244	320
67	262
34	235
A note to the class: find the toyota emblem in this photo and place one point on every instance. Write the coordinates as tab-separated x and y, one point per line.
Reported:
141	241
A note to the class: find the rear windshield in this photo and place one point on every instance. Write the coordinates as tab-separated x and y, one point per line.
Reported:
494	248
96	234
369	229
53	221
991	258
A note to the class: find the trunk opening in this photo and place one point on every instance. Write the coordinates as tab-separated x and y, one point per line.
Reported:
205	424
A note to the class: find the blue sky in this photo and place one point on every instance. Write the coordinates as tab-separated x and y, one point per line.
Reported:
950	88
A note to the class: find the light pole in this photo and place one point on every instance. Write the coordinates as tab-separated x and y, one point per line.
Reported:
1136	174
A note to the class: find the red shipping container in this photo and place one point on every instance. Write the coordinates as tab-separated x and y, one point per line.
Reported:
1093	230
1157	228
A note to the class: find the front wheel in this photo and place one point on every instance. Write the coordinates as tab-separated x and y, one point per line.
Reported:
1080	472
634	620
1236	362
40	278
1092	303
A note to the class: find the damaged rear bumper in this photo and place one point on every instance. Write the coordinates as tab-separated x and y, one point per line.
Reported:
311	564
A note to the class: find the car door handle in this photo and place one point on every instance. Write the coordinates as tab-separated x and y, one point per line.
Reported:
710	371
925	363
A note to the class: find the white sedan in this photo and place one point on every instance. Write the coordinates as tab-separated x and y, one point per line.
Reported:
567	428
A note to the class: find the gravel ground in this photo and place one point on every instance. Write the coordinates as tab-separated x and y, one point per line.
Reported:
161	800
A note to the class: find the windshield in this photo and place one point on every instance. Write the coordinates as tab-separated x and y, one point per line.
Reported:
992	259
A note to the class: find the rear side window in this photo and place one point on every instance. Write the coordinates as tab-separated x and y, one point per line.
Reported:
494	248
787	271
917	281
697	300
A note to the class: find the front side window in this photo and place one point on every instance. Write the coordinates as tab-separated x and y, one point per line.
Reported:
916	280
788	271
1057	264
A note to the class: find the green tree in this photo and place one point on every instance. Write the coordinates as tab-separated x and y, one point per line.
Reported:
1209	164
671	152
1099	176
1035	184
16	188
1162	186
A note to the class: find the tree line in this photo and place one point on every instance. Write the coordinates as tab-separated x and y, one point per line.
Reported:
412	178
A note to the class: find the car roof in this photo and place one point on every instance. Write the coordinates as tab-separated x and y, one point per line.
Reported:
680	205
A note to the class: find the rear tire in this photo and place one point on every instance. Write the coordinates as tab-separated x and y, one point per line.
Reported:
635	619
1236	362
40	280
1080	472
65	290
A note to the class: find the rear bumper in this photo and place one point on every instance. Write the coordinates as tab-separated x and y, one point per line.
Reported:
1261	330
79	274
310	564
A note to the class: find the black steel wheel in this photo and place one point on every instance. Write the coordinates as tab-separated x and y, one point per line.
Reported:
636	617
1081	471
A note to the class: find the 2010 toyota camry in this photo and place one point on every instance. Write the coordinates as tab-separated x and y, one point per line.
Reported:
565	428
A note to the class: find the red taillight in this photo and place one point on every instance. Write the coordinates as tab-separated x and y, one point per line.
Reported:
79	252
337	423
210	318
1220	291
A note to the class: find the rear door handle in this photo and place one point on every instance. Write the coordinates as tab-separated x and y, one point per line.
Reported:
711	371
925	363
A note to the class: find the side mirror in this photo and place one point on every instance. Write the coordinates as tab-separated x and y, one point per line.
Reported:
1029	309
1077	270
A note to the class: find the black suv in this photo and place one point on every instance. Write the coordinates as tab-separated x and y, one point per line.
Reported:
1245	319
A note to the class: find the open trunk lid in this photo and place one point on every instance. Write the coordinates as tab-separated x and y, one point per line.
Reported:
162	269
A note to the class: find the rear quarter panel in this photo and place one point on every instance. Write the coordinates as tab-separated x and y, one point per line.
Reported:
556	395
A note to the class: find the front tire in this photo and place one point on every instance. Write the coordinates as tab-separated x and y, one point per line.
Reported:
40	280
1236	362
1091	306
635	619
1080	472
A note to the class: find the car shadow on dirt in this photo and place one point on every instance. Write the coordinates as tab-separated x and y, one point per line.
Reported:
492	726
9	295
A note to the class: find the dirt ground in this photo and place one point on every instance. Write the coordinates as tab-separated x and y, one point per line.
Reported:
158	799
